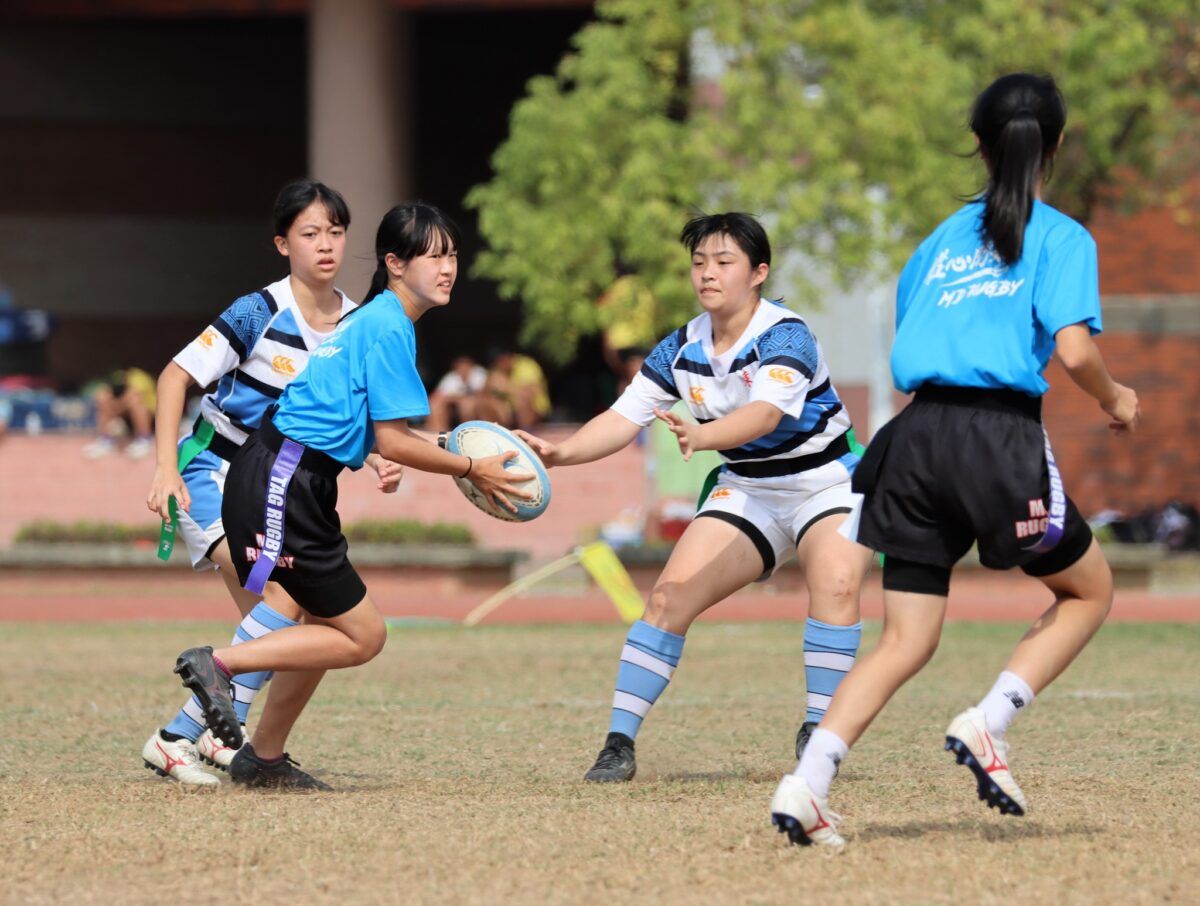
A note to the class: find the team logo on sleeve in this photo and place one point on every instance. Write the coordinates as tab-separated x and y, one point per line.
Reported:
697	395
720	494
283	365
781	375
207	338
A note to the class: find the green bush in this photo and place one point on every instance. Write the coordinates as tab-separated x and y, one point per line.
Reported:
407	531
85	531
376	531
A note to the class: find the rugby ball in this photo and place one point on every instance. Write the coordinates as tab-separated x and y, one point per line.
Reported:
480	439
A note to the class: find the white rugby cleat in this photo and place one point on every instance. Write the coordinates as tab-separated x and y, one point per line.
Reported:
176	760
987	757
213	751
804	816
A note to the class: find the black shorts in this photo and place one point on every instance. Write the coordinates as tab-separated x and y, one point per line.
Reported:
958	466
312	565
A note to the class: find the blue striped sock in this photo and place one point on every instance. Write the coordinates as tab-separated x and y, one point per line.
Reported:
258	622
189	722
648	659
828	655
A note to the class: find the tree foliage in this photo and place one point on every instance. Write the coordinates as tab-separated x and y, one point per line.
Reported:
841	122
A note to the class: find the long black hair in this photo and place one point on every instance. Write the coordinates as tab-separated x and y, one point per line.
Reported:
406	231
298	195
1019	120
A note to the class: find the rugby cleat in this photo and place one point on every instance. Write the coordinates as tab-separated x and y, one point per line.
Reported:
803	735
616	762
247	769
199	672
987	757
176	761
804	816
213	751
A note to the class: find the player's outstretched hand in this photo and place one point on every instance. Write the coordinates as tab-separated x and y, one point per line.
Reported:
498	483
390	474
167	484
685	432
546	451
1125	411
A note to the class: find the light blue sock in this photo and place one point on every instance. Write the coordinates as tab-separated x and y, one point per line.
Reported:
258	622
829	653
189	722
648	659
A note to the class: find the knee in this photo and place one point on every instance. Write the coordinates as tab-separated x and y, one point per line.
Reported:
370	644
914	650
834	591
662	608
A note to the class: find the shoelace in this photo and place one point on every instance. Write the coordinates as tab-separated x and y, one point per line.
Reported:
610	757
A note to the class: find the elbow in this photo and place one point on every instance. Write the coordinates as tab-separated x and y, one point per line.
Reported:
1073	356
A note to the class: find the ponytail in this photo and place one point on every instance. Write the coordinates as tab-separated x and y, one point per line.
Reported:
1016	161
1019	120
379	283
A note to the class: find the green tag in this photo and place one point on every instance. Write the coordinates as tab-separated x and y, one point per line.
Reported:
188	450
709	483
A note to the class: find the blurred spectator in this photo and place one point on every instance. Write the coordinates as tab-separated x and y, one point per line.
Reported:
517	393
456	398
126	395
627	311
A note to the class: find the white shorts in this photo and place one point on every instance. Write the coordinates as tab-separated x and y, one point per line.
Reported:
201	526
775	518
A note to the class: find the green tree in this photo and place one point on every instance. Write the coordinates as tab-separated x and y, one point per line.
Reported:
842	122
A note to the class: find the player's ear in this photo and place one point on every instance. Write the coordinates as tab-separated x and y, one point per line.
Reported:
281	245
759	275
394	265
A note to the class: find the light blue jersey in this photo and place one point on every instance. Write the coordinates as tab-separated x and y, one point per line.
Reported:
365	372
964	319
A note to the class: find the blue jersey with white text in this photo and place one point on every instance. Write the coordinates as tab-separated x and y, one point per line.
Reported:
365	372
965	319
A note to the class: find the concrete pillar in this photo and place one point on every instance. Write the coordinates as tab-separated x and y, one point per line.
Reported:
360	76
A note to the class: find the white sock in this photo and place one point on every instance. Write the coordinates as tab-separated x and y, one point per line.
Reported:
1010	695
819	763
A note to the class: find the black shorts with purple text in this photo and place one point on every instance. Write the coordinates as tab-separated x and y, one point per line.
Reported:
312	565
961	466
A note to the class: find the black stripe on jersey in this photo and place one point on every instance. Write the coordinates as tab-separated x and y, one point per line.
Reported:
739	364
796	440
703	368
287	339
817	390
750	530
658	379
269	299
775	468
241	425
223	328
255	384
791	363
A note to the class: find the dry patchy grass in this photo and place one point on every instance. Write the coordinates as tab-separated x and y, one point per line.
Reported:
457	757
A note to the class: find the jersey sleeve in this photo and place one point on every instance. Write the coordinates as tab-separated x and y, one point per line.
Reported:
907	282
788	358
654	386
227	342
394	389
1067	290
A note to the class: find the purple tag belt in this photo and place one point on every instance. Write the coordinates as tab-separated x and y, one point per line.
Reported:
282	470
1057	519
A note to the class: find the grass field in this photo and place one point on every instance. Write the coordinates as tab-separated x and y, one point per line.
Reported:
457	758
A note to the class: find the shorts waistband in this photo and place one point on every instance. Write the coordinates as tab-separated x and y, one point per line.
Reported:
312	460
982	398
774	468
219	445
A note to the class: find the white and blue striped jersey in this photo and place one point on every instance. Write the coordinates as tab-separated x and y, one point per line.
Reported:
252	351
777	360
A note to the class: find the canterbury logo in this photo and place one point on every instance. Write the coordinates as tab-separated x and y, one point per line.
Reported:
283	365
697	395
781	375
207	338
720	494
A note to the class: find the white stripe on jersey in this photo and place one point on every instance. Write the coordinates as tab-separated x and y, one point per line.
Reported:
252	354
777	360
